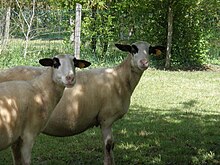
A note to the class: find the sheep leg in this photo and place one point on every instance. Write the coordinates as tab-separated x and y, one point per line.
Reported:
22	151
108	146
26	150
16	152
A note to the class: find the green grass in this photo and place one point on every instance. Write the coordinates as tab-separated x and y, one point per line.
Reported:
174	118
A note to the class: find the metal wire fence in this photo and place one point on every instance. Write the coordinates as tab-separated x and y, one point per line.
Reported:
48	31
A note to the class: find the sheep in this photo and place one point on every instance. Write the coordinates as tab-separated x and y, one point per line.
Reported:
25	106
20	73
104	100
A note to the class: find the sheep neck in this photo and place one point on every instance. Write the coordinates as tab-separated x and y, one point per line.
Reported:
129	73
49	91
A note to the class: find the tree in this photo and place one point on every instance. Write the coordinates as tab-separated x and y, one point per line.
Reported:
188	28
170	34
5	28
26	23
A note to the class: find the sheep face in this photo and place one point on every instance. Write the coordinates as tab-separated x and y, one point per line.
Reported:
140	52
141	55
64	68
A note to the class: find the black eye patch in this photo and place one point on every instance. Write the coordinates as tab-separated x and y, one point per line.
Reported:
56	63
134	49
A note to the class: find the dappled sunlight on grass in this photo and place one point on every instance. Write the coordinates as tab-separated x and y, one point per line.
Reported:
123	131
127	146
174	133
169	119
144	133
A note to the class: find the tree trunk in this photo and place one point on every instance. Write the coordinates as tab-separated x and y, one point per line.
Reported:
6	29
27	23
7	24
26	45
94	37
169	35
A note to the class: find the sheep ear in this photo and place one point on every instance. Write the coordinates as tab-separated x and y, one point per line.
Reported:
46	62
127	48
156	50
55	62
81	63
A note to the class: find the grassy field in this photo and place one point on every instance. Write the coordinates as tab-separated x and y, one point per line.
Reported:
174	118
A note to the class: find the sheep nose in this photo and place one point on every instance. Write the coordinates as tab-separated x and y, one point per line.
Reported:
69	78
144	61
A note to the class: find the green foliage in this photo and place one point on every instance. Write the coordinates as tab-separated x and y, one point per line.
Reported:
189	44
195	31
129	21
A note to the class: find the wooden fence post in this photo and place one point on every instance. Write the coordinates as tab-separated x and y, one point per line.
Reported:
77	30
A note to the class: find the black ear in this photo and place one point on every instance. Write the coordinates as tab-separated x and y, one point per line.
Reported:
157	50
55	62
81	63
46	62
127	48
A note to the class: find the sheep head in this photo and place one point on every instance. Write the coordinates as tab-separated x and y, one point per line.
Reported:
64	68
140	52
